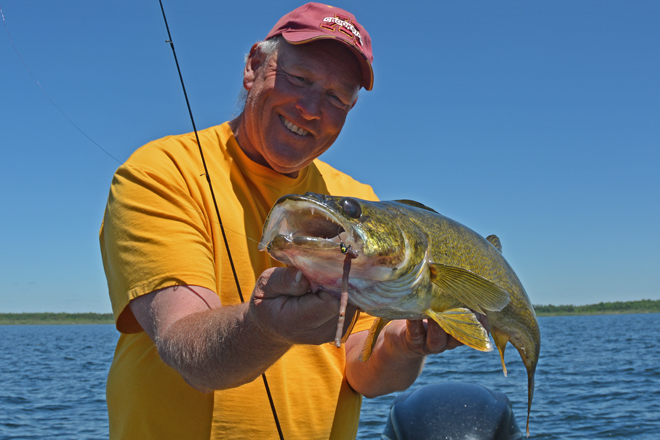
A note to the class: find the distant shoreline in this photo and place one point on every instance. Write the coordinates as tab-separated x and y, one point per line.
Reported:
626	312
55	318
608	308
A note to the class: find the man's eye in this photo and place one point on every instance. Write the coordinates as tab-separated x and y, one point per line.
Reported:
300	79
337	99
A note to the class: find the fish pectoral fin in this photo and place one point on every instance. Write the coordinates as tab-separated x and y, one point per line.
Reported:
501	339
473	291
464	326
372	337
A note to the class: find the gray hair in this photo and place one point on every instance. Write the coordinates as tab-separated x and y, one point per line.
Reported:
268	48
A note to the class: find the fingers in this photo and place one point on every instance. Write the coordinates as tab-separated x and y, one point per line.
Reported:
437	340
427	337
287	304
308	319
279	281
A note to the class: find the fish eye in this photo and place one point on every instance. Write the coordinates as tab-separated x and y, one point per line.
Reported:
351	207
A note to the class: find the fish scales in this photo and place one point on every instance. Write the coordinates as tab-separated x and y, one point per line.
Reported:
411	263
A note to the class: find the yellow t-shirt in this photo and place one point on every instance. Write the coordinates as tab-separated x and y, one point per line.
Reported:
160	229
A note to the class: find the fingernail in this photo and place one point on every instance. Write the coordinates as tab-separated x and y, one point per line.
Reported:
313	287
298	276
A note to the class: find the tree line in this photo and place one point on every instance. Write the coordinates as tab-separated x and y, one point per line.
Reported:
643	306
56	318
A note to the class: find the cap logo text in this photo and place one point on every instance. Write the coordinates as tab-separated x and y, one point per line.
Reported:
344	24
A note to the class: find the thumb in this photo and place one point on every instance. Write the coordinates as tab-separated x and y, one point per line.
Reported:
284	281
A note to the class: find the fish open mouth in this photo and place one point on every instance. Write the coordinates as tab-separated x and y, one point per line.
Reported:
304	222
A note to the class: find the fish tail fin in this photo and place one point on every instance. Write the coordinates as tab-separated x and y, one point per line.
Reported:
464	326
372	337
501	339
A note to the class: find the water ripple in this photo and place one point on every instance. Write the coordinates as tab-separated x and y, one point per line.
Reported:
53	381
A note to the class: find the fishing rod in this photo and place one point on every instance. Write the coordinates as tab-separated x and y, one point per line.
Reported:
217	210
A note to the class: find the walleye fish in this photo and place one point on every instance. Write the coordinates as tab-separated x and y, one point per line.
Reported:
408	262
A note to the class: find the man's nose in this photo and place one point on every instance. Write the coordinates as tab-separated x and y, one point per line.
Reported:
309	104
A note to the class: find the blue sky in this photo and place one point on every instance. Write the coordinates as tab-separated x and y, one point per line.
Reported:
536	121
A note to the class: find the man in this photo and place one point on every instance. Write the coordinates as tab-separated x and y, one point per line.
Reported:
188	361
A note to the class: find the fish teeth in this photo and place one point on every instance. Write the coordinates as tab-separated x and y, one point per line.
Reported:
293	127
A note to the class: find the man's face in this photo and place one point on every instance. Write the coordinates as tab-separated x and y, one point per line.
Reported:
297	103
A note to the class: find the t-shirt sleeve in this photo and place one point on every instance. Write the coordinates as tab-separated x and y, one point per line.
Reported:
154	235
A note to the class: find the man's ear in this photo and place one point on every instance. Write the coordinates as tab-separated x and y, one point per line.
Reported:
254	60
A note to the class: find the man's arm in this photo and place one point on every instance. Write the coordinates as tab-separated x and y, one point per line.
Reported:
218	347
398	356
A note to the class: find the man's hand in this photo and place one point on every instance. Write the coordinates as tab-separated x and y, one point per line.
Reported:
424	337
420	337
283	305
398	356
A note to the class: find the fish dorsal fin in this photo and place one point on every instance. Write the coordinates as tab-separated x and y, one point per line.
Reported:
372	337
495	241
416	205
473	291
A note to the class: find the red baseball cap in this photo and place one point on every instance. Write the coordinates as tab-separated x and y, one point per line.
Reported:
314	21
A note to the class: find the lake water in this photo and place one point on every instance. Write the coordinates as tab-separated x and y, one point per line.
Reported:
598	377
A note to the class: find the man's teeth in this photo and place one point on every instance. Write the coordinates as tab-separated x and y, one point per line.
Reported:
293	127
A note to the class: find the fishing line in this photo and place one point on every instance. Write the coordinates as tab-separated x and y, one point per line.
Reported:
48	97
217	211
88	137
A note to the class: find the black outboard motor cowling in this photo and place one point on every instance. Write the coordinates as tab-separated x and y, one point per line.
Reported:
452	411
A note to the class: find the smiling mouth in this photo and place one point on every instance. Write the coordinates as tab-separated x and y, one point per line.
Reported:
293	127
